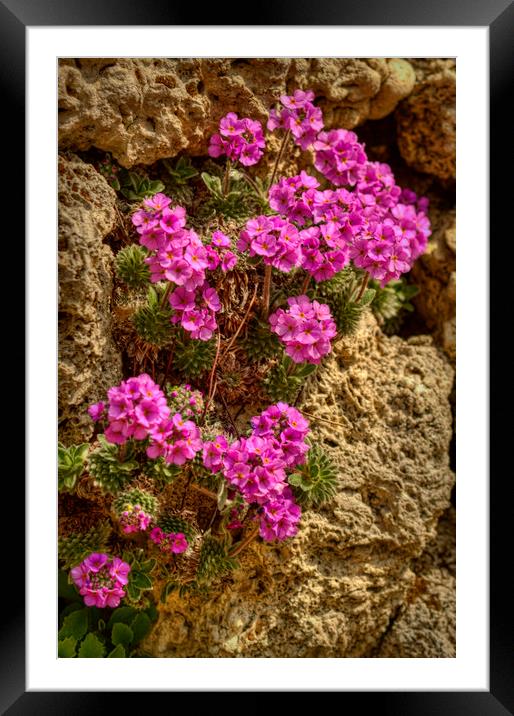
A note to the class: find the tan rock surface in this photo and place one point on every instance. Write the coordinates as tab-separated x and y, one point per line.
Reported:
425	625
89	363
426	119
333	590
434	273
142	110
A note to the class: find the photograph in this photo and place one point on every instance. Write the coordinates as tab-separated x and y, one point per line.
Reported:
256	357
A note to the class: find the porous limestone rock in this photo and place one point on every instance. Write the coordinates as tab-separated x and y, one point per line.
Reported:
434	273
426	119
425	624
89	362
382	413
142	110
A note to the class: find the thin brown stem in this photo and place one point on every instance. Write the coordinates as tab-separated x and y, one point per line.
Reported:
240	326
166	293
266	291
248	179
229	416
205	491
363	287
305	284
279	157
226	177
212	386
241	545
323	420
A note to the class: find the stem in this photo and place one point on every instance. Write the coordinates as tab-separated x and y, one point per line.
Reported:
279	157
323	420
226	178
248	179
362	288
241	545
305	284
212	386
227	411
166	294
266	290
239	328
205	491
291	368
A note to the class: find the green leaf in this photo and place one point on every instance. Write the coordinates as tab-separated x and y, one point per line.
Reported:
141	626
122	634
135	180
148	565
156	186
213	184
117	653
65	589
66	648
367	297
91	648
115	183
167	590
133	592
121	614
75	625
141	580
152	612
73	607
295	479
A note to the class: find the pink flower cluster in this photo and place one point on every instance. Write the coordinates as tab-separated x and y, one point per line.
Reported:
186	401
138	409
339	156
134	519
174	542
178	255
305	329
276	239
294	197
298	115
256	467
239	139
101	580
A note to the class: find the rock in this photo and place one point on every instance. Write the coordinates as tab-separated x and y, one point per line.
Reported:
425	625
89	363
426	119
434	273
332	591
142	110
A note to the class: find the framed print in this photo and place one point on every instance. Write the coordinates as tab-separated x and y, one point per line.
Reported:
236	494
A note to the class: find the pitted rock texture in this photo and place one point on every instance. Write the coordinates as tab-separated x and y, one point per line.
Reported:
89	362
434	273
426	119
333	589
142	110
425	625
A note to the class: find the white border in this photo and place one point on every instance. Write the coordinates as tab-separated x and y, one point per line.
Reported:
469	670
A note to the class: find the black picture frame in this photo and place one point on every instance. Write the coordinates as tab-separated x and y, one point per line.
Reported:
498	15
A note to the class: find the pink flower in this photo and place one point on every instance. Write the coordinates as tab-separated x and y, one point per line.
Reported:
96	410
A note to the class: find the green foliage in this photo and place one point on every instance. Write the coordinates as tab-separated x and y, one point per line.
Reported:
130	266
339	293
240	200
161	472
91	648
110	472
315	481
67	648
214	560
148	503
109	170
193	357
70	465
153	320
76	547
175	523
286	379
177	181
136	187
392	302
140	576
260	343
74	625
86	633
